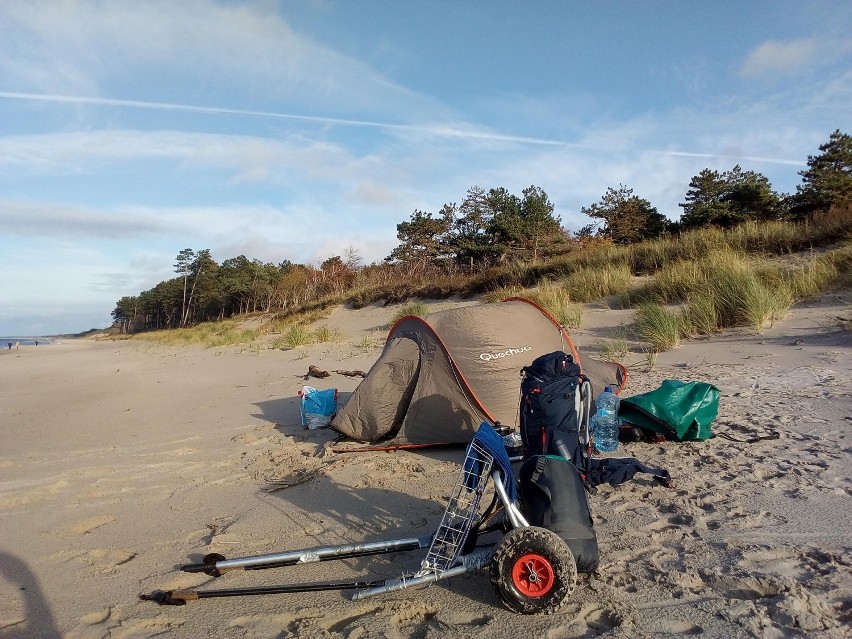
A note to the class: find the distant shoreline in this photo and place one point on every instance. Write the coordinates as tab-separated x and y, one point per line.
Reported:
26	341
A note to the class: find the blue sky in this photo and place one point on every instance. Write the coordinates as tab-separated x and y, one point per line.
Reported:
298	129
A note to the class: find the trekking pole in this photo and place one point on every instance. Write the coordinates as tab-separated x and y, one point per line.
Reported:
180	597
215	564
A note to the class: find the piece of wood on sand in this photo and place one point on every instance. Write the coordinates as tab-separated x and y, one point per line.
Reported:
314	371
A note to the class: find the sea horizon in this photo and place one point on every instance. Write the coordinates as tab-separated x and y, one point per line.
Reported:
29	340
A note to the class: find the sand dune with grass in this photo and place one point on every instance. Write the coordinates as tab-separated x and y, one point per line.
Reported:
121	460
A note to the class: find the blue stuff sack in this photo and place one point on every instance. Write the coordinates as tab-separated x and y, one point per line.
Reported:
317	406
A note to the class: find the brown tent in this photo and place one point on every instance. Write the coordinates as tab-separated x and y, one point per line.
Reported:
440	377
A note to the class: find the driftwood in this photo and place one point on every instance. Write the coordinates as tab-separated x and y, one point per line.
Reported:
313	371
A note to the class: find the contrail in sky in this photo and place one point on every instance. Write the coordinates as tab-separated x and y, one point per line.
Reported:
443	131
687	154
165	106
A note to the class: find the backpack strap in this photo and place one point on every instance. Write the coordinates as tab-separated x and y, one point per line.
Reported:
538	479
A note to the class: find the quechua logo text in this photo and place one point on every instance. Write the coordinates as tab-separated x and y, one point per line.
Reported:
487	357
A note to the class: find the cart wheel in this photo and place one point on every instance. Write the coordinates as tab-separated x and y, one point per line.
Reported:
533	570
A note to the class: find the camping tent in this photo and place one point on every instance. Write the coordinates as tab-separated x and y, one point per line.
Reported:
441	376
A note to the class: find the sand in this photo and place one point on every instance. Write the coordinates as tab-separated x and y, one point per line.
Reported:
120	461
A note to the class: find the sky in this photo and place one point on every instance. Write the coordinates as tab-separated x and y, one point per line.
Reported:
303	129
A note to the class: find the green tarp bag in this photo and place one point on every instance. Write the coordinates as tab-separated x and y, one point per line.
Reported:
682	411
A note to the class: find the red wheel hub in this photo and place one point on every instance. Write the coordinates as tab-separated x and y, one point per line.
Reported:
533	575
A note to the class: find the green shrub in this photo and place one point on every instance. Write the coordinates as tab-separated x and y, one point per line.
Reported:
679	280
743	298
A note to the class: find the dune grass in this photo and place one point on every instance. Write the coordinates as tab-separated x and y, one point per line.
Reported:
324	334
293	336
503	293
615	348
590	283
556	300
729	288
700	316
418	309
658	326
369	342
749	276
210	334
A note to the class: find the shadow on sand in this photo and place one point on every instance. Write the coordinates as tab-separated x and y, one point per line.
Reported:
324	512
38	619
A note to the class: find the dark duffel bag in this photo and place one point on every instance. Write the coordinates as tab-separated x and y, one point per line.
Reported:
553	496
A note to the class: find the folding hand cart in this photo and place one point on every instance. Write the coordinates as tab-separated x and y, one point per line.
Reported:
531	568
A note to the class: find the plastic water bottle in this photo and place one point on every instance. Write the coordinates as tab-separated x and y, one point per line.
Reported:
605	421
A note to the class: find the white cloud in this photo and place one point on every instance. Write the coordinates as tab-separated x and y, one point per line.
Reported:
775	57
217	125
193	48
69	221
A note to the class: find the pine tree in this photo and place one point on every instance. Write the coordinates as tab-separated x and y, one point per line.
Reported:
827	181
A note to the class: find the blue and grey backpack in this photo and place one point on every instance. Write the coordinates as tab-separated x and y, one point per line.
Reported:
550	410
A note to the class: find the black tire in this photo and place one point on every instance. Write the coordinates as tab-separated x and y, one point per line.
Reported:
533	571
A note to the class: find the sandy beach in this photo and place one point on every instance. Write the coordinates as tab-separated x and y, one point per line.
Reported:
121	460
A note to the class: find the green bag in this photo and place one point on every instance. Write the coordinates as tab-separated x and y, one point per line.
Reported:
682	411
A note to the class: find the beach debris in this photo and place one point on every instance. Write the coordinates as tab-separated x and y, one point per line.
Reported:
314	371
301	476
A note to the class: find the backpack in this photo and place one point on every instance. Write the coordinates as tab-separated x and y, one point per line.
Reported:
553	496
550	410
550	419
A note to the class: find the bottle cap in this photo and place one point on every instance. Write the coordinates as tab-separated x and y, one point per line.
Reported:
608	389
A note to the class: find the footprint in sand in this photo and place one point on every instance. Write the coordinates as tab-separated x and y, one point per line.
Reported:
750	521
667	559
463	619
341	624
781	562
413	613
94	618
110	622
26	498
598	618
159	625
85	526
747	587
95	625
271	625
678	628
252	621
667	526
